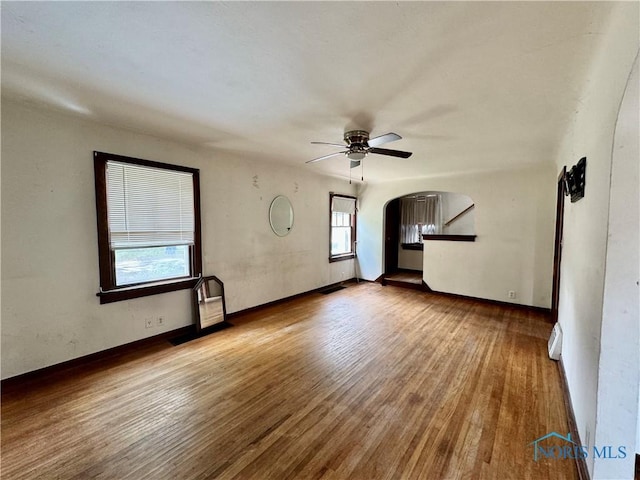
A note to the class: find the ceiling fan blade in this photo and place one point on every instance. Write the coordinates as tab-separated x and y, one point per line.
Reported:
386	138
393	153
326	156
327	143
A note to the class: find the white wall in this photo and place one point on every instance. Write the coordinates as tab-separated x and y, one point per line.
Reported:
453	204
585	222
514	223
617	403
409	259
49	243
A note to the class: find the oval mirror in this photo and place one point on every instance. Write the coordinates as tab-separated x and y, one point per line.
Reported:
281	216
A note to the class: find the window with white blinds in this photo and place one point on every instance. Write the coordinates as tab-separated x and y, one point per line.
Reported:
343	227
343	204
148	226
149	206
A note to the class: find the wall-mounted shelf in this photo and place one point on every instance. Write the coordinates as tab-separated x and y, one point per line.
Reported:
450	238
412	246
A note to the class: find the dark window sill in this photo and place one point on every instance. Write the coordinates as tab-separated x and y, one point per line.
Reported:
412	246
339	258
127	293
451	238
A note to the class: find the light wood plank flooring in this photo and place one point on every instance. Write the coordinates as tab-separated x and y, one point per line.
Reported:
369	382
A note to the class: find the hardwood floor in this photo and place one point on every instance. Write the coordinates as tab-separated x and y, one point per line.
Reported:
407	277
369	382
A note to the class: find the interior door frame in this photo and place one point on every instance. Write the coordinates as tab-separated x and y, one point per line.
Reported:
557	250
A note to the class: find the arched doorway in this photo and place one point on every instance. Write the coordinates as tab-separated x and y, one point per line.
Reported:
411	217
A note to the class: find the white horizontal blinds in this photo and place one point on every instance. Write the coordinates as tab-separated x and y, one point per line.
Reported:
343	204
149	206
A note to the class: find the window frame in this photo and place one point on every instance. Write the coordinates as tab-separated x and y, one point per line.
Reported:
354	220
109	292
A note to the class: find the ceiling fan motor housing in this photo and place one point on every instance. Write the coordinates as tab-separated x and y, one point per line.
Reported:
357	141
356	137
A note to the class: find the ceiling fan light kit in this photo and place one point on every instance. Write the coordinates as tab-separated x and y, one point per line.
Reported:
359	145
356	155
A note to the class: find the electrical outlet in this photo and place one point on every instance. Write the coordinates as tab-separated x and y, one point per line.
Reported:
148	323
160	321
512	294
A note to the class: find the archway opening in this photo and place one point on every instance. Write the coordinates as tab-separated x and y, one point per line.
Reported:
411	217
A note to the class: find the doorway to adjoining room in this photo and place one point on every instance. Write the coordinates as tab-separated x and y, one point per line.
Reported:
412	218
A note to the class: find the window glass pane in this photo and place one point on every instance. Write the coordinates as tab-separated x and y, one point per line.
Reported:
340	240
138	265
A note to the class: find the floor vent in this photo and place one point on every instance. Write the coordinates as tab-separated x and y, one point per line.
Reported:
329	290
193	335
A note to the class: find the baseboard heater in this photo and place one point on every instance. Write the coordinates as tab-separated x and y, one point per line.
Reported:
555	342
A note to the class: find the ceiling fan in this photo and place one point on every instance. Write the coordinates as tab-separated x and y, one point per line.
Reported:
359	145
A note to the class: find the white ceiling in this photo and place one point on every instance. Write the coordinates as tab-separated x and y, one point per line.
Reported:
469	85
